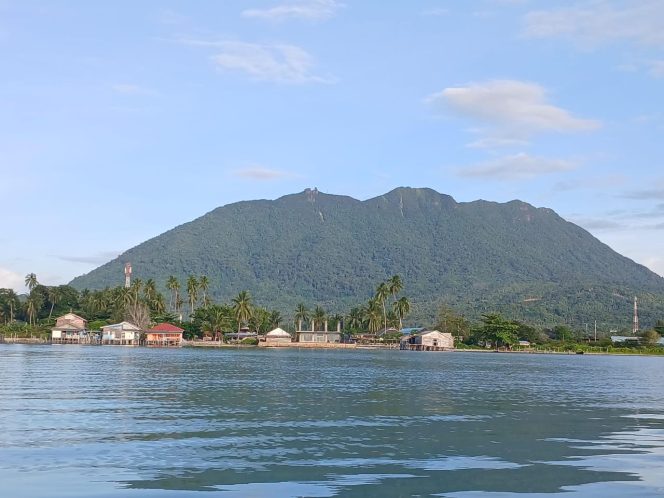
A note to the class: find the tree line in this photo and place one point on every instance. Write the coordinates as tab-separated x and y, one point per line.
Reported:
189	304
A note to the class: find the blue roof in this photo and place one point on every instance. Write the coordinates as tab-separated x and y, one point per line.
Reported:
412	330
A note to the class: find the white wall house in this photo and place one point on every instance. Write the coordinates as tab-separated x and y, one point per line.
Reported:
123	333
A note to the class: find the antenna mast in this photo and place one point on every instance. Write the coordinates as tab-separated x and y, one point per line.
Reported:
635	327
127	275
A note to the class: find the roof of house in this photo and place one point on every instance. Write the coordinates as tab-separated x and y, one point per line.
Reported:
122	325
165	327
412	330
278	332
623	338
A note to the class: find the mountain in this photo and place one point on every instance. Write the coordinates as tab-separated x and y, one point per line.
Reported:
316	248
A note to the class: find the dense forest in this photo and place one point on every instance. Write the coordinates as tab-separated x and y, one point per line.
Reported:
328	250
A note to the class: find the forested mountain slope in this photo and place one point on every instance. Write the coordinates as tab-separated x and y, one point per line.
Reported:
525	262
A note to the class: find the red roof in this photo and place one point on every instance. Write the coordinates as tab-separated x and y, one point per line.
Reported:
165	327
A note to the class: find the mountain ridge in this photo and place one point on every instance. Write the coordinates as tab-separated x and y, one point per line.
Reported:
332	250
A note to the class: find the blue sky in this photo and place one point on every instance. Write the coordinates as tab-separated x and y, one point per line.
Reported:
120	120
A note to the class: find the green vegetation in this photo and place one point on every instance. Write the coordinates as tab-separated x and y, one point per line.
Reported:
328	250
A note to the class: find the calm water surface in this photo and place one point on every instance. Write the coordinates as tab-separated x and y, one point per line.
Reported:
134	422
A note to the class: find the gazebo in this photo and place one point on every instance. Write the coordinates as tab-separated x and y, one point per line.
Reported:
277	336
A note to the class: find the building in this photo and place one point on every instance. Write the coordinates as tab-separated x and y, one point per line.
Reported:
277	336
164	334
123	333
70	329
429	340
625	339
319	336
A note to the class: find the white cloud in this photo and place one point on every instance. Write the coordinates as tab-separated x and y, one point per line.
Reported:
512	110
517	167
279	63
312	10
592	23
11	280
260	173
94	259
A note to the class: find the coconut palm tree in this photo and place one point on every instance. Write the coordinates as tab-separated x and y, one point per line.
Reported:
217	321
53	298
275	319
395	285
150	290
32	306
172	285
318	317
192	292
31	281
204	285
372	315
242	308
382	291
301	315
401	308
11	300
354	318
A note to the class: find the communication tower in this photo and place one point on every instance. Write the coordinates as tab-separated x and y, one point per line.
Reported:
635	326
127	275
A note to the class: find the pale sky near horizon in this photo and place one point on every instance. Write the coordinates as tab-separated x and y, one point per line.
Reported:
120	120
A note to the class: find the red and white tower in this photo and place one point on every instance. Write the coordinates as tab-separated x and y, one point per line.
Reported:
635	326
127	275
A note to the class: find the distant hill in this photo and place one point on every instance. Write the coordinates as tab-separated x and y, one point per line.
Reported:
525	262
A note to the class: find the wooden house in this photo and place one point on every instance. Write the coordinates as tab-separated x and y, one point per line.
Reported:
428	340
123	333
70	329
164	334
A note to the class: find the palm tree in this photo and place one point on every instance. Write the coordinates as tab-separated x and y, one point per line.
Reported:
382	291
395	285
372	315
172	285
275	319
11	299
32	306
217	321
355	318
242	308
31	281
301	315
53	297
204	285
318	317
150	290
401	308
192	291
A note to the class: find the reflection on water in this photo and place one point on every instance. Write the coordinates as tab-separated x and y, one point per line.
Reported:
116	422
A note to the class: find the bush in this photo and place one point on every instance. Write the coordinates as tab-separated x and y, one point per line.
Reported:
249	341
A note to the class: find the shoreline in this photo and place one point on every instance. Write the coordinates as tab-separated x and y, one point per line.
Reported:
328	346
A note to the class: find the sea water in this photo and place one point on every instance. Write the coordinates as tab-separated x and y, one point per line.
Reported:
105	421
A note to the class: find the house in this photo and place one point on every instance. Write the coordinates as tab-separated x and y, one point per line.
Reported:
428	340
277	336
164	334
625	339
70	329
123	333
319	336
